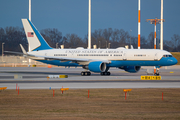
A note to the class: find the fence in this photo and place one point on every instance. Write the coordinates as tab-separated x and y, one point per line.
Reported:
18	61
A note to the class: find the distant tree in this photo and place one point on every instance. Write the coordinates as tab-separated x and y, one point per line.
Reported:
52	36
12	37
150	41
124	37
65	42
74	41
98	38
144	43
168	45
2	34
175	40
178	48
107	34
134	42
115	38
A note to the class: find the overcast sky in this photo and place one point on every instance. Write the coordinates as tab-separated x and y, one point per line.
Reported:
71	16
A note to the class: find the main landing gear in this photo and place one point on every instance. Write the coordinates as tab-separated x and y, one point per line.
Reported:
85	73
105	73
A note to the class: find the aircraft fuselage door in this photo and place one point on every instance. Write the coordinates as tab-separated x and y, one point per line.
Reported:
156	57
124	56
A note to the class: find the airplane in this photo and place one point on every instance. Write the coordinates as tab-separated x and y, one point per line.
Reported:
93	60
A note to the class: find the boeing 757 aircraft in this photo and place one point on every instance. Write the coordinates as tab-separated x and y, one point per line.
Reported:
93	60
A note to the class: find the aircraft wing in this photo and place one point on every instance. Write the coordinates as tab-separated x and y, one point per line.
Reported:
75	60
80	61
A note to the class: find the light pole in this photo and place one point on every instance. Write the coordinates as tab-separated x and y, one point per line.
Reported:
161	43
63	42
99	44
109	45
56	45
106	44
89	26
158	40
2	50
130	37
139	24
29	49
154	21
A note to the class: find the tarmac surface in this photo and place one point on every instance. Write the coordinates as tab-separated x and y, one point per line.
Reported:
36	78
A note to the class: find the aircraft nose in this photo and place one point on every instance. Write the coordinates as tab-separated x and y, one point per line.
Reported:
173	61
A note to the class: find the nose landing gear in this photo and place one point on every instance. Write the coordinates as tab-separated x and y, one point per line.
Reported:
156	71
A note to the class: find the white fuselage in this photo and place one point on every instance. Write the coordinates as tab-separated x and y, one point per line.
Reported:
105	54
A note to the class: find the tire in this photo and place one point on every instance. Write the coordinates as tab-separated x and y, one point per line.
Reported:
105	73
108	73
88	73
85	73
101	73
82	73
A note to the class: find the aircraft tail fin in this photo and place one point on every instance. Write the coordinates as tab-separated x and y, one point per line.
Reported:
35	40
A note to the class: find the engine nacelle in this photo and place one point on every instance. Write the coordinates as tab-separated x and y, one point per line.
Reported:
131	69
97	66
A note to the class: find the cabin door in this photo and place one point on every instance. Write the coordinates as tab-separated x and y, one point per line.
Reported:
124	56
156	57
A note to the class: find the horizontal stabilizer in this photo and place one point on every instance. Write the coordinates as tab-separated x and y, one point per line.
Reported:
18	53
23	50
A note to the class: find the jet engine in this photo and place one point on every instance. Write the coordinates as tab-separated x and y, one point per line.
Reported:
131	69
97	66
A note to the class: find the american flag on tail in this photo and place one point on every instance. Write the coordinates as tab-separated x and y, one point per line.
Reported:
30	34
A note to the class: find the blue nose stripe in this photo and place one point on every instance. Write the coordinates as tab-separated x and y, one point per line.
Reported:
168	61
175	61
172	61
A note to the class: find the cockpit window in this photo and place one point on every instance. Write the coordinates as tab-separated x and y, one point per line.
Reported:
167	56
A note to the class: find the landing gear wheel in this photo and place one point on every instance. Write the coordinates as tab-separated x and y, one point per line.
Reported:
156	74
86	73
82	74
105	73
108	73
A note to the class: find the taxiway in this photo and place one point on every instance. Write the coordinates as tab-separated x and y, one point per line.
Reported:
36	78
